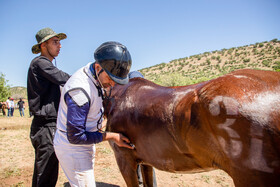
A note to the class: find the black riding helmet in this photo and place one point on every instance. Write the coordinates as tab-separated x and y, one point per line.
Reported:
115	59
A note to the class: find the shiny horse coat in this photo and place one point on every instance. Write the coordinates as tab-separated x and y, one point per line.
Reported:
230	123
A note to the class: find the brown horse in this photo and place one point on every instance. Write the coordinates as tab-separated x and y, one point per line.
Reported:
3	108
230	123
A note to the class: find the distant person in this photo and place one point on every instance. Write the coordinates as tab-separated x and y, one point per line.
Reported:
8	103
21	107
12	106
43	89
131	75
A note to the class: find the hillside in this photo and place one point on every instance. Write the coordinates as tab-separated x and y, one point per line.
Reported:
205	66
18	92
209	65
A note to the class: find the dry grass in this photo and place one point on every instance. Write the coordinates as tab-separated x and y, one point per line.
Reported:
17	158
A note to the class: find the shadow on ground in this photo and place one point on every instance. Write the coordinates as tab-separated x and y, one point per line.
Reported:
98	184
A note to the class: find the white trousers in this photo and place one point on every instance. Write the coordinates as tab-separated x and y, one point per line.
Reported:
77	162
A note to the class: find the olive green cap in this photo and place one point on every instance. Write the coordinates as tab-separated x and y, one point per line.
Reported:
43	35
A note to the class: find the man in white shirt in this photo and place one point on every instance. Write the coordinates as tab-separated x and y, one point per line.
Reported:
9	104
12	106
81	112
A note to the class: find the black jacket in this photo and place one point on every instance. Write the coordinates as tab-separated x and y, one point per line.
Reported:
43	89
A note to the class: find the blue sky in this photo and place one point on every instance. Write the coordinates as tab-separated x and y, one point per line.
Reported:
154	31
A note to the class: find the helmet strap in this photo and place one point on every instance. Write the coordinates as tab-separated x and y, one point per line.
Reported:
107	96
100	72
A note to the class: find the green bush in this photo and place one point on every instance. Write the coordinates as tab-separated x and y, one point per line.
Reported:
276	66
172	79
265	63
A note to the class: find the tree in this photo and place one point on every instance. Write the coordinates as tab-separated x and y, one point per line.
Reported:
4	88
274	40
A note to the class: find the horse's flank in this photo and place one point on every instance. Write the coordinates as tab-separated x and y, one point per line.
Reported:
231	123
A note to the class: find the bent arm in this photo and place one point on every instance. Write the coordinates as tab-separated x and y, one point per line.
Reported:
76	124
52	73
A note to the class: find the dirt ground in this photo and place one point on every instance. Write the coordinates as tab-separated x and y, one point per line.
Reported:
17	158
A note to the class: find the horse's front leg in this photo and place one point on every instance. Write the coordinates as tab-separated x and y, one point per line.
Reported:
127	165
148	176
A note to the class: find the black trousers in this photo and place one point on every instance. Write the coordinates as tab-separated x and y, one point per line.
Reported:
46	164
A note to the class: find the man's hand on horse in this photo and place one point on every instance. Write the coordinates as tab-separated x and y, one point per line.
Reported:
119	139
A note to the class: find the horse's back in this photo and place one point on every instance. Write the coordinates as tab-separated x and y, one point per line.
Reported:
231	123
242	111
254	94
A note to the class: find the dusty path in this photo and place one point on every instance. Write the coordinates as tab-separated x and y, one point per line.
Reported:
17	157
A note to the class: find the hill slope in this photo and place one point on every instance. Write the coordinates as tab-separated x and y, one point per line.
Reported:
197	68
205	66
18	92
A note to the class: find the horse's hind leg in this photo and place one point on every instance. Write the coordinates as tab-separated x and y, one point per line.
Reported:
148	176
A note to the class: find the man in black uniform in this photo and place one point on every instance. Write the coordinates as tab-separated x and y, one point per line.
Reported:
21	107
43	89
